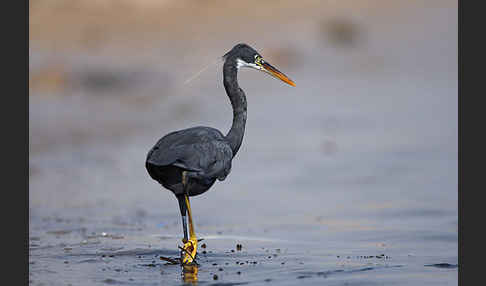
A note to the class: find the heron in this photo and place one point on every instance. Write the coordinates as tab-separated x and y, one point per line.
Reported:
188	162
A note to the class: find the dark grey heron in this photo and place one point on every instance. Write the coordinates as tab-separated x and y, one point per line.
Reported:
189	161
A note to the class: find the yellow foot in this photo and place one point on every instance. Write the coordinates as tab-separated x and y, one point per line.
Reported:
189	251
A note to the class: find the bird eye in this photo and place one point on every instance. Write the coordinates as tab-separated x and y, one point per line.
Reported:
258	59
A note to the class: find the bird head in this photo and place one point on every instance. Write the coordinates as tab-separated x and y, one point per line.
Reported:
245	56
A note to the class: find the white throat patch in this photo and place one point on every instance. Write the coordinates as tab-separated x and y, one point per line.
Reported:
241	63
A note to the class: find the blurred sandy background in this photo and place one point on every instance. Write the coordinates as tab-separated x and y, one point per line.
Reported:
367	141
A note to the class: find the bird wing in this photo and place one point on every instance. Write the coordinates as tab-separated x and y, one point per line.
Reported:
202	150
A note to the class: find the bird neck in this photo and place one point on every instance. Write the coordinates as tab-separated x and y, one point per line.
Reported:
238	102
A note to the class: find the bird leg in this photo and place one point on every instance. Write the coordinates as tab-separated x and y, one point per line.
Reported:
190	246
182	206
189	249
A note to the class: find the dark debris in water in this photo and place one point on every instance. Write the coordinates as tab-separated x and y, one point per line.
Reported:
325	274
112	281
443	265
91	260
170	261
59	232
380	256
150	265
228	283
303	276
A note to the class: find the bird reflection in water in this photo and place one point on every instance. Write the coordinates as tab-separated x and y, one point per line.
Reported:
189	273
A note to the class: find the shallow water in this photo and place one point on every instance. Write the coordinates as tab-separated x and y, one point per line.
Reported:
348	179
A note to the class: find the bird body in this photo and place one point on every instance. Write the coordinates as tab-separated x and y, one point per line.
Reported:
201	151
188	162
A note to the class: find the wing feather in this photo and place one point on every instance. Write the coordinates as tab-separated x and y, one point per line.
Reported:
203	150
